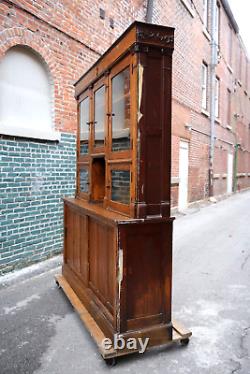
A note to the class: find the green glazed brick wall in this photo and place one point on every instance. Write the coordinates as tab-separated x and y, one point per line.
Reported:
34	176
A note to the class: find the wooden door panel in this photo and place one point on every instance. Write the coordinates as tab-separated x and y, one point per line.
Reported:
102	267
76	243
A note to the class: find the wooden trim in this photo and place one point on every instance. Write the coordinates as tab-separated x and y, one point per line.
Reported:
121	66
82	157
160	36
83	165
115	205
101	149
97	211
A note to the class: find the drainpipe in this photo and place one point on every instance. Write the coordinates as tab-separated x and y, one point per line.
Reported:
214	62
149	11
235	167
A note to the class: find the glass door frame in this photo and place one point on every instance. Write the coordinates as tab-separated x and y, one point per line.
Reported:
94	150
115	205
81	194
118	68
83	157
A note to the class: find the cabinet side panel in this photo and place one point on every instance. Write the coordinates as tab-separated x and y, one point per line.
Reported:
146	286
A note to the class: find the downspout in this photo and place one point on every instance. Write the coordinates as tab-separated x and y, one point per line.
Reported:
235	167
214	62
149	11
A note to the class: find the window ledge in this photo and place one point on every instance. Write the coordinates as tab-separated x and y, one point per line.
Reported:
206	33
23	132
229	127
230	68
188	7
175	181
205	112
240	175
217	120
216	176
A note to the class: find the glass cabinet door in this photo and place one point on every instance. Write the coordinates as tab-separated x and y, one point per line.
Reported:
84	123
83	180
99	116
119	186
120	97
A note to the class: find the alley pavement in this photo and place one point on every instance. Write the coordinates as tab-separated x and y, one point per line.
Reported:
40	332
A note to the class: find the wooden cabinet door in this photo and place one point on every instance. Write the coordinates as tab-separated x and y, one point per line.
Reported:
120	127
76	243
102	262
99	116
119	178
84	121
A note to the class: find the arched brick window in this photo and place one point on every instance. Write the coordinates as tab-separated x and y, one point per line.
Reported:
26	95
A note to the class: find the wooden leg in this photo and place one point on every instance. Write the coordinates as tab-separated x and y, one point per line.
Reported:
111	361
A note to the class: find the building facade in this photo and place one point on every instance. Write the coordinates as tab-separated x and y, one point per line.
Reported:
46	46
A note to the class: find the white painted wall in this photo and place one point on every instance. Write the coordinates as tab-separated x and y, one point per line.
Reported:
25	93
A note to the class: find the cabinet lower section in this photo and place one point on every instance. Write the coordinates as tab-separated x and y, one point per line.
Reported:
121	270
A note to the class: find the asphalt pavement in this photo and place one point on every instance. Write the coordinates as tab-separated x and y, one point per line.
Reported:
40	332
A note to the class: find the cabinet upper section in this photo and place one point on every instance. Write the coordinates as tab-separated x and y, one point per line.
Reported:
124	124
139	34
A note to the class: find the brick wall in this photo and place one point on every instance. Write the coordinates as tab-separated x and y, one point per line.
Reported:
69	36
33	178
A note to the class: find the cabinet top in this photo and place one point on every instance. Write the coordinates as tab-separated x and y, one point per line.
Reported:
137	34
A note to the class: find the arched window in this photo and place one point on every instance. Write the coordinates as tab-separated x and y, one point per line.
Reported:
26	100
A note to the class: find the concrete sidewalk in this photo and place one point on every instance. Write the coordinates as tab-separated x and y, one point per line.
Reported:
40	333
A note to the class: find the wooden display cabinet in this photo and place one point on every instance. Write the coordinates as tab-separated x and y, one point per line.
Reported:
117	268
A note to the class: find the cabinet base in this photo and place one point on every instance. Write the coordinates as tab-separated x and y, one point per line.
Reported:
180	334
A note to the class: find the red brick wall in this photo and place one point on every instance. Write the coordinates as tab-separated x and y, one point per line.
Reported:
70	36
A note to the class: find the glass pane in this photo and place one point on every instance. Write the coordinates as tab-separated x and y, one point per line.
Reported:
121	111
84	180
99	116
120	181
84	126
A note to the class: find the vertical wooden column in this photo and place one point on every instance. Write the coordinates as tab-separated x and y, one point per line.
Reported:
154	132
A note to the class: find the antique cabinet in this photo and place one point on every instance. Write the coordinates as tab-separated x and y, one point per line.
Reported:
118	229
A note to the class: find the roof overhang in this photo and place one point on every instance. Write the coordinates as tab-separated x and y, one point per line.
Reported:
230	15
